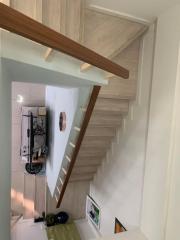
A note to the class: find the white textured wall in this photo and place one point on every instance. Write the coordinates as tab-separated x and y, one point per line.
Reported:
117	187
5	153
173	216
59	100
160	141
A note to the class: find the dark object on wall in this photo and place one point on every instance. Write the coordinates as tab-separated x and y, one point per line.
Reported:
40	218
34	147
119	227
33	168
61	218
62	121
54	219
92	214
50	219
93	211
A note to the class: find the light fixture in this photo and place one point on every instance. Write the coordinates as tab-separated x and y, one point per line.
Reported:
20	99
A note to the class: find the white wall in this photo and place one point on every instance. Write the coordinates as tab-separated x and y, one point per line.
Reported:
173	216
160	140
5	153
59	100
117	187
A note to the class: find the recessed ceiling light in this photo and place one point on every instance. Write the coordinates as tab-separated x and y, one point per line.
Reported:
20	99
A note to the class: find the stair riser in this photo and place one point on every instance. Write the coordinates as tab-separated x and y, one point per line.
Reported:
86	161
112	105
84	170
100	132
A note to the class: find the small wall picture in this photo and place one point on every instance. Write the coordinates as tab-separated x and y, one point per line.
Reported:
93	212
118	228
62	121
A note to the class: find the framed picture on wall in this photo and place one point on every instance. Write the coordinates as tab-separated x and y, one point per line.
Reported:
93	212
118	227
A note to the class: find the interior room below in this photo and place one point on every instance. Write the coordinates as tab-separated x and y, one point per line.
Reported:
30	193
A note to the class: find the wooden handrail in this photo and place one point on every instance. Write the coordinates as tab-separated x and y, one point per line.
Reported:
87	117
22	25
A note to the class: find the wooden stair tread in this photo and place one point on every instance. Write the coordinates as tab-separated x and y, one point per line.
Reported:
99	149
119	88
104	143
114	31
84	169
84	161
98	154
100	131
82	177
105	120
112	105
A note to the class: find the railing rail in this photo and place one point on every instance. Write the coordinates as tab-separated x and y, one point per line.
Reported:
83	128
22	25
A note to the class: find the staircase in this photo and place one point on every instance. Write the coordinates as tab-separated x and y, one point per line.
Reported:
119	40
111	107
113	37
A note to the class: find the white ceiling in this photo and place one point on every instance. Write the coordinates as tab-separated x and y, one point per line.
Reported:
146	10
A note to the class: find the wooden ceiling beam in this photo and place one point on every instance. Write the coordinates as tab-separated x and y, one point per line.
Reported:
24	26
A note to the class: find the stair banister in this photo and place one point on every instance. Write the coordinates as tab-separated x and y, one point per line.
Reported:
85	122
